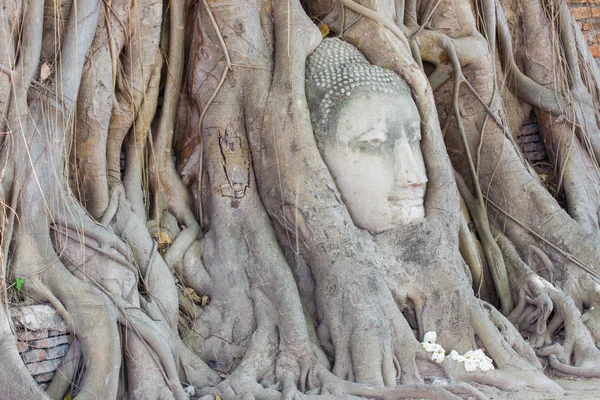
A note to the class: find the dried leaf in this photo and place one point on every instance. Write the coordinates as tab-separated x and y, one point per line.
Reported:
324	29
205	300
45	72
163	238
192	295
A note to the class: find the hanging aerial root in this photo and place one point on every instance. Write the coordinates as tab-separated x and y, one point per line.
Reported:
65	374
491	250
168	192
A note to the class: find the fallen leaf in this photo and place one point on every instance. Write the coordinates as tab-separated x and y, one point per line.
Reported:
192	295
45	72
324	29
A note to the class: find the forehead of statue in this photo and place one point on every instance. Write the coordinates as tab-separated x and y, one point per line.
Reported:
377	116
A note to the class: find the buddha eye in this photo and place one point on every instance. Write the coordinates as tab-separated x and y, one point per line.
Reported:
377	141
374	144
373	139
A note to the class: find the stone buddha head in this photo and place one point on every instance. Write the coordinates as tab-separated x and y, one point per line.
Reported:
368	131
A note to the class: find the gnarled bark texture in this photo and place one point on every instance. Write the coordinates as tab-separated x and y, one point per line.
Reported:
162	189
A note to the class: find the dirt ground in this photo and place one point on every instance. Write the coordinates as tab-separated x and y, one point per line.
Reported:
575	389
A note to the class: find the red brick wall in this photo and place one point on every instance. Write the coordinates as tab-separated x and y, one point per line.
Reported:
587	13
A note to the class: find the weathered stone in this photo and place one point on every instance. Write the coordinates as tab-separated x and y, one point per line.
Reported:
28	335
39	317
37	355
22	347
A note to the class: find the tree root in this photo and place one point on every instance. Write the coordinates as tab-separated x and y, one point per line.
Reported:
583	372
64	376
537	299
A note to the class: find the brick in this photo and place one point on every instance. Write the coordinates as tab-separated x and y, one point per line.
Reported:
536	156
43	366
585	12
49	342
582	2
44	378
595	50
529	129
37	355
529	138
531	147
33	356
57	352
22	347
28	335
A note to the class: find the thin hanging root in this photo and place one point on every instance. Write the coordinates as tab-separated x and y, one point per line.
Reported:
469	252
166	184
548	267
491	250
431	8
377	17
136	144
567	255
524	87
7	71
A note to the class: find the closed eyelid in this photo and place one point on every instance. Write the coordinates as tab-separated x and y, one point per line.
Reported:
373	134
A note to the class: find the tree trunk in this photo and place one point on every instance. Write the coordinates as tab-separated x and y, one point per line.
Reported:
168	188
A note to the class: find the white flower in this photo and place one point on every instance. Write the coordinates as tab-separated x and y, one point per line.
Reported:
471	365
438	355
457	357
431	346
479	354
430	337
473	359
485	366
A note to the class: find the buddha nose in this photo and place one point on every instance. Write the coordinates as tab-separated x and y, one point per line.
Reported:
410	169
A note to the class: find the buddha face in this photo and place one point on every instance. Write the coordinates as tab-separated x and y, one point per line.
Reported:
374	156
